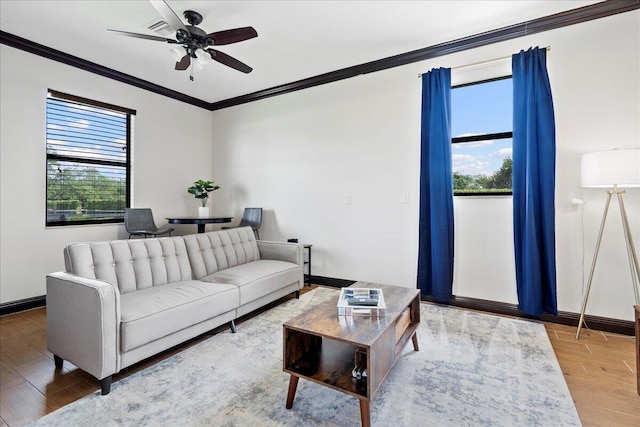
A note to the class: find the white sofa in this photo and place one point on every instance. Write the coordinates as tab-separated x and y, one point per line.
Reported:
122	301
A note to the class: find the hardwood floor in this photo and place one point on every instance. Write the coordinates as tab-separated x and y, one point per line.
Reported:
599	370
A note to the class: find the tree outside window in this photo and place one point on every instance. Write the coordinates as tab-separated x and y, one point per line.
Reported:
88	161
482	117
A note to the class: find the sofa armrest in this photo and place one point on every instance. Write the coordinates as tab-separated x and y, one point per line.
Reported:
281	251
83	322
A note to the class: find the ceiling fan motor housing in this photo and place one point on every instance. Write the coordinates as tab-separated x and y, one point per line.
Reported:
192	17
193	40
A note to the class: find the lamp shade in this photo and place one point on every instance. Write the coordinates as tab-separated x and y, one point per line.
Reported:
604	169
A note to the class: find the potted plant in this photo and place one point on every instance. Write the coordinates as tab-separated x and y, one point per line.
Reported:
200	190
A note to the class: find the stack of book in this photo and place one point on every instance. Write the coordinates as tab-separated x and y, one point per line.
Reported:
361	302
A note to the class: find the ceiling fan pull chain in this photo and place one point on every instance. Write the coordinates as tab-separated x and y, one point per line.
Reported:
191	71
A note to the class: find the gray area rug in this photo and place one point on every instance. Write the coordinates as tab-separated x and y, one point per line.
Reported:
472	370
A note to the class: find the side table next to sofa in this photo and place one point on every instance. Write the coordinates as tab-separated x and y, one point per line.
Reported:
307	262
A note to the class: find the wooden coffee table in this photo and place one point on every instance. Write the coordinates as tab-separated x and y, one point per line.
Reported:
321	346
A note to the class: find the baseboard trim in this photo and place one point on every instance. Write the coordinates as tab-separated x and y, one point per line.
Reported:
605	324
22	305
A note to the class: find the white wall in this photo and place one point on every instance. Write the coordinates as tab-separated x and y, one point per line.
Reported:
299	155
171	149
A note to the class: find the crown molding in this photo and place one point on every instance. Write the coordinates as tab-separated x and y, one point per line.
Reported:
551	22
59	56
547	23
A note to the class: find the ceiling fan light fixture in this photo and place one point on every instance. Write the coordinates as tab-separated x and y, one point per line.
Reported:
178	52
191	44
203	57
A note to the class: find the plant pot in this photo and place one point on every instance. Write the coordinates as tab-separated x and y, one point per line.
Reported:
203	211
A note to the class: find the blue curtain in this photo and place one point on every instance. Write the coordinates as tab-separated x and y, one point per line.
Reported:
435	247
534	154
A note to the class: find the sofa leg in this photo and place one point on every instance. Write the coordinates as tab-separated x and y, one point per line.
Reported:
297	294
232	325
105	385
58	361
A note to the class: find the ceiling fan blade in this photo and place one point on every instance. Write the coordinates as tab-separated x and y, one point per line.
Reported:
232	36
168	14
229	61
184	63
142	36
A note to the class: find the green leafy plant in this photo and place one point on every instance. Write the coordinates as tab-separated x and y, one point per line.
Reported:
201	189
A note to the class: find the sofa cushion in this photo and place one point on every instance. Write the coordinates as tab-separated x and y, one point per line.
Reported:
153	313
212	252
130	265
257	279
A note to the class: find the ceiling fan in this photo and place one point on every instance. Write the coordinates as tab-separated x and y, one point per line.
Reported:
192	42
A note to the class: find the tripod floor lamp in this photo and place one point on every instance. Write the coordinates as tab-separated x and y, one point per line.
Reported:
614	169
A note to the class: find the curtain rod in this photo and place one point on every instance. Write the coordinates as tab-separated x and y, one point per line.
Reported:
487	61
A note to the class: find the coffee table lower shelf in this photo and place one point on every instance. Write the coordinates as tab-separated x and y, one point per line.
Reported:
320	347
329	363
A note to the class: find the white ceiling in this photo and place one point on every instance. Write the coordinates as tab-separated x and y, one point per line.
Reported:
296	39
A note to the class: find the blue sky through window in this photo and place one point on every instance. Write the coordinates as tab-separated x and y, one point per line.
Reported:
84	131
481	109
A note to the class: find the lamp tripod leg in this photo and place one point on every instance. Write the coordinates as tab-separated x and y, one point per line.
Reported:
593	265
631	251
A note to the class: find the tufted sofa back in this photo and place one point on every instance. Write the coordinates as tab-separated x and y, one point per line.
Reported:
130	264
212	252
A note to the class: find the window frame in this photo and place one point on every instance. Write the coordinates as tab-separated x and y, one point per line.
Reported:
483	137
98	162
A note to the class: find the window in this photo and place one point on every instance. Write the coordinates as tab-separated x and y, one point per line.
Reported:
88	160
482	125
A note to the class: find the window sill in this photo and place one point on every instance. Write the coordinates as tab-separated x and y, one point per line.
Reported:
102	224
484	195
